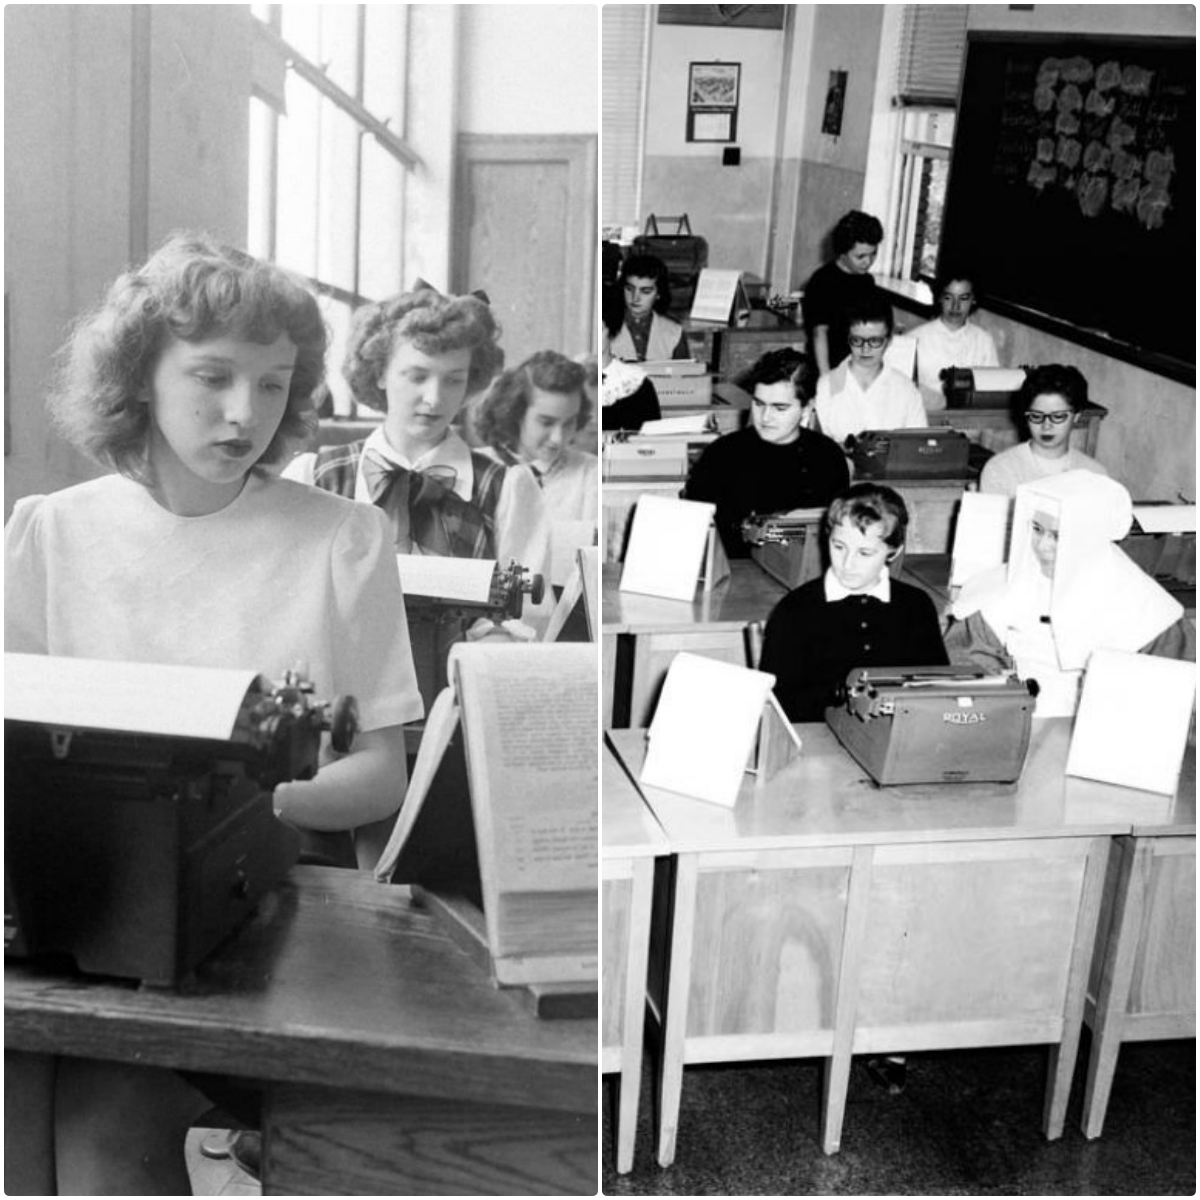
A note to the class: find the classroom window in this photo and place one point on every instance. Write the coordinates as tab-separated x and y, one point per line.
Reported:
913	132
328	159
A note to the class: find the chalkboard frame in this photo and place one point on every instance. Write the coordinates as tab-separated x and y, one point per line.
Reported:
961	225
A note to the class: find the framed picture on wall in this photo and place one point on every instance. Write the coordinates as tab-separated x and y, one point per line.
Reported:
713	89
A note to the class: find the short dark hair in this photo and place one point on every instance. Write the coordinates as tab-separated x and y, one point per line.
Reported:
776	366
856	227
1053	379
612	309
649	266
951	273
872	308
498	418
435	324
866	504
192	288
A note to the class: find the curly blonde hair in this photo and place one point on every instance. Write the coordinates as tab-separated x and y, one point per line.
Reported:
195	289
435	324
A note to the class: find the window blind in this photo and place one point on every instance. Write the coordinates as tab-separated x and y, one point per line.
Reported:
623	87
933	40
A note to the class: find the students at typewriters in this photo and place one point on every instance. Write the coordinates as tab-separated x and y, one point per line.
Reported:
196	372
952	338
1048	407
1065	591
840	285
864	392
648	334
856	614
416	358
775	464
530	416
627	397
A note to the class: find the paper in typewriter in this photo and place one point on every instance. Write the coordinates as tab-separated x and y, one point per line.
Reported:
467	580
82	693
529	726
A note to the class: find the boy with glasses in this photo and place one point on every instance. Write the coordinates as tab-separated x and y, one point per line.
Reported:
1047	404
862	392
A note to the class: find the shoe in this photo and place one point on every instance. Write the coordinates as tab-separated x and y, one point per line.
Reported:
246	1150
890	1072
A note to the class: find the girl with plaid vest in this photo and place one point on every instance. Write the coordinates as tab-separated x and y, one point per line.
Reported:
416	357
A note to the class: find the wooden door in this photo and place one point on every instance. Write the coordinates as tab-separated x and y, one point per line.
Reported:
525	232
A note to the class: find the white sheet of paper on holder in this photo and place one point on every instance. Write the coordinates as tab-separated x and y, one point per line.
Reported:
1166	518
468	580
998	379
83	693
668	426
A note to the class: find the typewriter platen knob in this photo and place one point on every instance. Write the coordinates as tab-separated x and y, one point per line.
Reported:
343	723
537	588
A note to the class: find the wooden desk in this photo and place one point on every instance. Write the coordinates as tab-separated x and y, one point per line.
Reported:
392	1065
713	624
631	840
1143	978
996	429
824	916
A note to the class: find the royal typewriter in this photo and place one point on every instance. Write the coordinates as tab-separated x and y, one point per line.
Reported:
787	545
934	724
139	826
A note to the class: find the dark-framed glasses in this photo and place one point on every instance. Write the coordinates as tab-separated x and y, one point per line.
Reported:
1055	418
872	343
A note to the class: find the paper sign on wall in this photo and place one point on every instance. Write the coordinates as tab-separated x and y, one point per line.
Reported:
720	297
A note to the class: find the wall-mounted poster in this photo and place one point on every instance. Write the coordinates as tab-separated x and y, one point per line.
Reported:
713	101
835	104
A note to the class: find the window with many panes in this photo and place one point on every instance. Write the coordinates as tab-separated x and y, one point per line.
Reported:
913	132
328	158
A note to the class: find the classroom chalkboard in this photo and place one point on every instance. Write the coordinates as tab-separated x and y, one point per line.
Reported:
1072	189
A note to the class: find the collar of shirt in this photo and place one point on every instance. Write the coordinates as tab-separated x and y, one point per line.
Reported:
451	451
834	591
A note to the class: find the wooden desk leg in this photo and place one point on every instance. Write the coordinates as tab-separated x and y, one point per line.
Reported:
634	1019
674	1030
836	1079
1112	999
1062	1055
333	1142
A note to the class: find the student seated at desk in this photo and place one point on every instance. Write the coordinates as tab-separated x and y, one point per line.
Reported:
774	464
416	358
865	393
839	285
1048	405
648	334
951	339
856	614
529	416
627	397
197	370
1066	591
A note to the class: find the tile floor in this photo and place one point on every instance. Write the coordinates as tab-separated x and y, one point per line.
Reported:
968	1123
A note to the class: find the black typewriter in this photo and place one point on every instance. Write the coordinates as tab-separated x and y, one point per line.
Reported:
136	852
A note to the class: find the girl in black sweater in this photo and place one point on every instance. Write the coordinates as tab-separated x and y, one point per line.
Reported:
855	615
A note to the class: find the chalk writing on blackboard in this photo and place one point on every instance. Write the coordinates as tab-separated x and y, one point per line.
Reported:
1098	132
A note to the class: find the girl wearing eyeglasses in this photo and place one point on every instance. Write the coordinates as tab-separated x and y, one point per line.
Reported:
1047	404
863	392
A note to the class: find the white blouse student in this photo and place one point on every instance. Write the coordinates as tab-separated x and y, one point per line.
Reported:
951	339
862	393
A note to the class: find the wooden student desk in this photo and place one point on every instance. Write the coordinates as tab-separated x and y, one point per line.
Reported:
631	840
713	624
1143	978
391	1064
823	916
